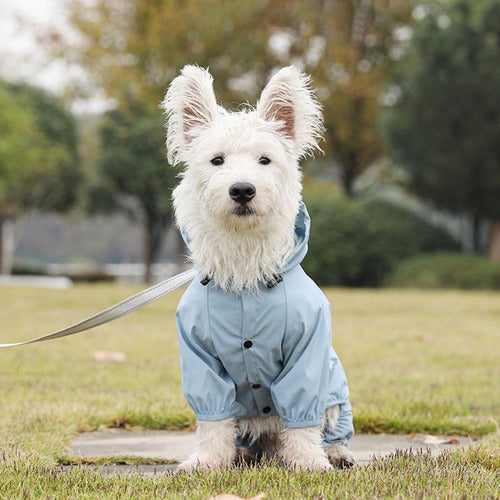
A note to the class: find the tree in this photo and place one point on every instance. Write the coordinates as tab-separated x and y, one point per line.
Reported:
54	184
38	157
446	125
17	138
348	46
140	46
132	173
132	49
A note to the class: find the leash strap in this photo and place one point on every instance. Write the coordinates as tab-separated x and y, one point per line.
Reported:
120	309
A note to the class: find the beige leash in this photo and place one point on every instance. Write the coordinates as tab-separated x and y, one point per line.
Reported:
120	309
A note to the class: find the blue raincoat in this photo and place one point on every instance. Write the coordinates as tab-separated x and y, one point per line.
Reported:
247	354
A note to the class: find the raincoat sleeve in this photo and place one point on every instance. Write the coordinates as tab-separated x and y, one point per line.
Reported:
210	391
300	392
338	395
343	430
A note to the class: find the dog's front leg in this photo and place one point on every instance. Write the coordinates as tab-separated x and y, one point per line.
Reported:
301	448
215	447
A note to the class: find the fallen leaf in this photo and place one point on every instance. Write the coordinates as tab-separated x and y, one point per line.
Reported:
226	496
109	356
433	440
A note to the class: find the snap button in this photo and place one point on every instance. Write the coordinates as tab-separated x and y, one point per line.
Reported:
266	409
248	344
255	386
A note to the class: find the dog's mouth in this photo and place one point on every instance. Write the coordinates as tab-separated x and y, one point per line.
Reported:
242	210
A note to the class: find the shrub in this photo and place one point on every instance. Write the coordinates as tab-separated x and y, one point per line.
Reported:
34	268
335	246
91	277
29	268
357	244
445	270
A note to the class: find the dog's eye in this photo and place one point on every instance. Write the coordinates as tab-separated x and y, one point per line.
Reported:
218	160
264	160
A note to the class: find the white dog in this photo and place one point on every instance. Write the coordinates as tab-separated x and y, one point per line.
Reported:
258	368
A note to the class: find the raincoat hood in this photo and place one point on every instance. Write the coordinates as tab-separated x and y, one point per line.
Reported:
302	229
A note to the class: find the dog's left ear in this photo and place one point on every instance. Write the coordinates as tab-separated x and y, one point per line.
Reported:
190	106
289	101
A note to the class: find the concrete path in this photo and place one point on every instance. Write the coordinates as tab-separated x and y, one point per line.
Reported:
57	282
177	445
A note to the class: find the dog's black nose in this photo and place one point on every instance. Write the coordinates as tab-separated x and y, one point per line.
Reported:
242	192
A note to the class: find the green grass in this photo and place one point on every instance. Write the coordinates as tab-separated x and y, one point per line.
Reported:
416	362
446	270
464	474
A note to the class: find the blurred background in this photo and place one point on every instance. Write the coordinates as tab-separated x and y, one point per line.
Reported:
406	194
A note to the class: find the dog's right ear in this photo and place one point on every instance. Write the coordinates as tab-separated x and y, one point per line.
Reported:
288	101
190	106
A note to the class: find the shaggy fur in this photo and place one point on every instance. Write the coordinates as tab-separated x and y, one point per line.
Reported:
239	249
251	248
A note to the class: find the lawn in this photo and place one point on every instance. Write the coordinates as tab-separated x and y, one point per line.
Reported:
416	362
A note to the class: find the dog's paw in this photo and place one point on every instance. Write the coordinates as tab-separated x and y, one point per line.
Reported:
318	464
198	464
300	448
340	457
192	465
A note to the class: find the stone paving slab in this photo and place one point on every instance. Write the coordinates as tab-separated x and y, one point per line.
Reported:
177	445
168	445
156	470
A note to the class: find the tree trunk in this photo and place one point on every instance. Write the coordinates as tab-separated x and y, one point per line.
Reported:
2	259
149	250
154	229
494	250
7	243
349	174
348	164
476	234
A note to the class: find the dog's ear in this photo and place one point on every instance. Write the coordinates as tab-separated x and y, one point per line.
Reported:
289	101
190	105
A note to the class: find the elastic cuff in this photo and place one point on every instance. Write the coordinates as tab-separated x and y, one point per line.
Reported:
298	424
212	416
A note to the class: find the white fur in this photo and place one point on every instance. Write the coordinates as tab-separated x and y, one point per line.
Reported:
301	448
239	251
215	446
297	448
257	426
331	417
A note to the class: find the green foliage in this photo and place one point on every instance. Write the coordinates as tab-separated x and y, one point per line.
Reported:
18	151
446	125
133	162
55	179
357	244
344	45
446	271
38	151
132	172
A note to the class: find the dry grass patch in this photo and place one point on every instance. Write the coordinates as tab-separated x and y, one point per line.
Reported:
416	362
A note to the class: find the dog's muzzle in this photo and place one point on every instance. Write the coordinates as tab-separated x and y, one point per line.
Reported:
242	193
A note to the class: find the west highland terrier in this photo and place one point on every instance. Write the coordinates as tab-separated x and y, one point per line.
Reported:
258	368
